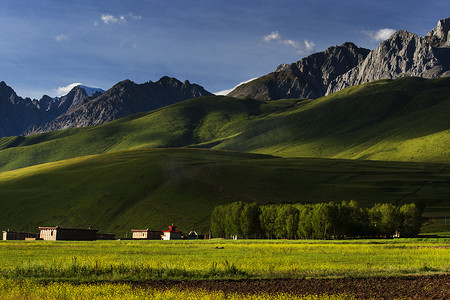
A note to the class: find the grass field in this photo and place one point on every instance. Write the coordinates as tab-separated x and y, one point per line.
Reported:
152	188
138	260
120	269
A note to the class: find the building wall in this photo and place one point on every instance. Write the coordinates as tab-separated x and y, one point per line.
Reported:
48	234
171	236
68	234
139	234
17	235
154	235
147	234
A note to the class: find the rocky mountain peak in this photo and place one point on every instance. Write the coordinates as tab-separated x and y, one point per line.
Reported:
338	67
403	54
439	37
6	91
123	99
306	78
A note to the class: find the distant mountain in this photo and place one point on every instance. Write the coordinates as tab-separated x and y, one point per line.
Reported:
85	106
16	113
307	78
403	54
439	37
123	99
91	90
19	115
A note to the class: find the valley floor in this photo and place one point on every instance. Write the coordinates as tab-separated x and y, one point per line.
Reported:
226	269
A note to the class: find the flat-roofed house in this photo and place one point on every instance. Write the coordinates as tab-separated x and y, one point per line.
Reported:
67	234
172	233
146	234
18	235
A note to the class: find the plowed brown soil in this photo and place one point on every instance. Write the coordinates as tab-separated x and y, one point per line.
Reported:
409	287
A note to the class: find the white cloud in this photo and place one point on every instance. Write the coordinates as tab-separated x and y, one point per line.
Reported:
274	35
64	90
302	48
226	92
309	45
110	19
61	37
379	35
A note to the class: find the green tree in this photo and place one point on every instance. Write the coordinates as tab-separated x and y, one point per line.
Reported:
286	221
267	220
233	219
249	221
305	228
217	221
411	220
322	220
385	218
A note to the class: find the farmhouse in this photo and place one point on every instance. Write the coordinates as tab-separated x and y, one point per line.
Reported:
172	233
146	234
67	234
18	235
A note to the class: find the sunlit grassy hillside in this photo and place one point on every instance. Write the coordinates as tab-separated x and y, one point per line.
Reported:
402	120
138	189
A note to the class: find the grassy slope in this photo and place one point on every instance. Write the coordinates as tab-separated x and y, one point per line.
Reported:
153	188
402	120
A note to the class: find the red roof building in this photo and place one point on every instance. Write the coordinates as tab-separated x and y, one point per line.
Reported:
172	233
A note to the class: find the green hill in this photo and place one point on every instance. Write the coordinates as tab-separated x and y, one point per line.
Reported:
152	188
113	178
401	120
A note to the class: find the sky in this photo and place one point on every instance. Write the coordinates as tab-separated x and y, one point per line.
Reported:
47	46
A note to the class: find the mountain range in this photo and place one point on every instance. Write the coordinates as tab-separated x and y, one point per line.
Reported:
320	74
84	106
338	67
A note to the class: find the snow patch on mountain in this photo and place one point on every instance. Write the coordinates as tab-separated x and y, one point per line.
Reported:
64	90
226	92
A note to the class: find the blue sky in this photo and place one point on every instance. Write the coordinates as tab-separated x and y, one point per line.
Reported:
49	44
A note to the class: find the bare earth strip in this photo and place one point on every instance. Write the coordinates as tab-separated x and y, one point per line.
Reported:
409	287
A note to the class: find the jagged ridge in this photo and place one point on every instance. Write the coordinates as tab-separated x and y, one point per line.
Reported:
403	54
307	78
19	116
123	99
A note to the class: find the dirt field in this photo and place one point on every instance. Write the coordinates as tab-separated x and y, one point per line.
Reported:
410	287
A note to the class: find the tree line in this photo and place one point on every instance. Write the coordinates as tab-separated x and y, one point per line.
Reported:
314	221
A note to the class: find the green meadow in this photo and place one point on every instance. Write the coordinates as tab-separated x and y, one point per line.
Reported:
220	259
153	188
